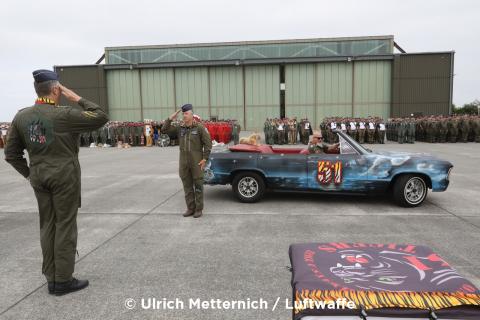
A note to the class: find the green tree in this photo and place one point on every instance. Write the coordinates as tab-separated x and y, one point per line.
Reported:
468	108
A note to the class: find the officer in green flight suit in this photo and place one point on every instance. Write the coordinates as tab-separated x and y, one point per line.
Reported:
50	134
195	148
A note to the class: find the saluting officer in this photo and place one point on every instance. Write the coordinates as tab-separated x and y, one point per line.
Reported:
50	134
195	148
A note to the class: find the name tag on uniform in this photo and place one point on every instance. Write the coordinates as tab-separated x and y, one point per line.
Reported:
194	131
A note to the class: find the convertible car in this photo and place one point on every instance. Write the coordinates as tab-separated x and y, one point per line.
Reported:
350	168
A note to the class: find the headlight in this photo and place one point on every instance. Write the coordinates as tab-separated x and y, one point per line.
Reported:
448	174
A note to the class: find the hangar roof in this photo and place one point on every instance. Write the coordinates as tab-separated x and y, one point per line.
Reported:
251	50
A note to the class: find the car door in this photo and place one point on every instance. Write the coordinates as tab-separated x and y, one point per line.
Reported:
344	172
284	171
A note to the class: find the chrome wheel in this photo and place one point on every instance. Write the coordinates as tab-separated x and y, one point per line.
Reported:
248	187
415	190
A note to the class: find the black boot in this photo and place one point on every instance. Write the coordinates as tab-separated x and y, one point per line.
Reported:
51	287
73	285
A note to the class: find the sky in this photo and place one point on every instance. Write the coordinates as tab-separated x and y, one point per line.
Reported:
41	34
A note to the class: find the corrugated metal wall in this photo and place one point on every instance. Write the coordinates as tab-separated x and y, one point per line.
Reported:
322	90
88	81
372	88
334	90
226	93
262	94
192	86
300	91
422	83
123	88
158	97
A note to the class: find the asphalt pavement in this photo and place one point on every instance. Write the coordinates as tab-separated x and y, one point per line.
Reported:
134	243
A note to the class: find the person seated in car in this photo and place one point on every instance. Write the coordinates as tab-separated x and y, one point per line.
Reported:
316	145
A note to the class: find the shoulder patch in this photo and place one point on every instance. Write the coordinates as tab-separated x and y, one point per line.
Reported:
89	114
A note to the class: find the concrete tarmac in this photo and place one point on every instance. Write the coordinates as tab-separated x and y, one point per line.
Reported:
133	242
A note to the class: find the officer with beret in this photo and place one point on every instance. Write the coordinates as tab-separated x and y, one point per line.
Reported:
50	134
195	148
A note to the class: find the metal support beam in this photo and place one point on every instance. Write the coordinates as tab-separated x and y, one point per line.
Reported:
140	94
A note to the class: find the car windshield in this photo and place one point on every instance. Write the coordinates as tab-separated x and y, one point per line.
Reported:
345	147
350	146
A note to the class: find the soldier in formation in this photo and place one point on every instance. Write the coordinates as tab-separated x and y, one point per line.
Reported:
363	130
4	127
286	130
433	129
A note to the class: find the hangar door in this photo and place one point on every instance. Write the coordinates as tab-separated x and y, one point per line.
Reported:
373	81
158	98
123	91
191	85
300	91
338	89
262	95
226	93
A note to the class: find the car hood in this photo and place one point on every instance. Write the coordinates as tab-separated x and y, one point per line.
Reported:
408	155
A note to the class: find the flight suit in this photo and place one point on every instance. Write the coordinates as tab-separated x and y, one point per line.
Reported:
195	145
51	136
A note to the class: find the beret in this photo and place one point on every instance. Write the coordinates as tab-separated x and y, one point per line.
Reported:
187	107
44	75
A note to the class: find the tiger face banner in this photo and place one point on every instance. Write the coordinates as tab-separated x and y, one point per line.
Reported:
377	276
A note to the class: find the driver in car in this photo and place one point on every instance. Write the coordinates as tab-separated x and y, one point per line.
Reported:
316	145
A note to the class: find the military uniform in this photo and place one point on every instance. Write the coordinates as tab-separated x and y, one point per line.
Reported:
195	145
361	132
317	148
51	135
266	131
236	132
411	131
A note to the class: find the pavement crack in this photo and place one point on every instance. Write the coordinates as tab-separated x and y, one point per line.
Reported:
454	215
163	202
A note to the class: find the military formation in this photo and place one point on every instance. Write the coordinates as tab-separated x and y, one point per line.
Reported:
364	130
433	129
287	130
148	133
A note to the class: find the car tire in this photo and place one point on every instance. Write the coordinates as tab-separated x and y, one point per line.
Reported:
410	190
249	187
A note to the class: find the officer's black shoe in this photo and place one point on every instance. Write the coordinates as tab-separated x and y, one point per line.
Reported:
198	214
62	288
51	287
188	213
